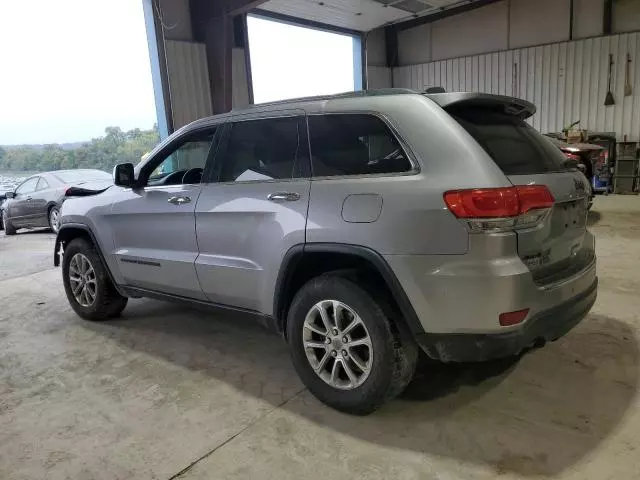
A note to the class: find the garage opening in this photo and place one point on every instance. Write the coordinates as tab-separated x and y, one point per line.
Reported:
291	61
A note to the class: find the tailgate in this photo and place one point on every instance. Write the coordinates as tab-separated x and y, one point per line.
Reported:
555	248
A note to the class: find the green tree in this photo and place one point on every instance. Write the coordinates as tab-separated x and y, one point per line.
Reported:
116	146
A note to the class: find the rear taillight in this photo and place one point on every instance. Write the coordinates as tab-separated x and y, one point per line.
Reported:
573	156
499	209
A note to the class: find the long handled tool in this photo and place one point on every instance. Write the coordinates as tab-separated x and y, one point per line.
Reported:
608	100
627	77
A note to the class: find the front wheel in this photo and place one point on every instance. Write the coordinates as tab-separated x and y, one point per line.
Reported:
345	348
87	284
9	229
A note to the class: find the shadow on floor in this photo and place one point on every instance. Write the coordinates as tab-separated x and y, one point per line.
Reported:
537	416
593	218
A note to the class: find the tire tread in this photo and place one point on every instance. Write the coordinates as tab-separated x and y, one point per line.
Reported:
381	386
109	303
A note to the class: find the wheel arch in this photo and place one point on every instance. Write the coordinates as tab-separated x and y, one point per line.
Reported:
71	231
305	261
51	204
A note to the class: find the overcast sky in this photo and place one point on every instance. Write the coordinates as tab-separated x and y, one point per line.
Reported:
70	68
289	61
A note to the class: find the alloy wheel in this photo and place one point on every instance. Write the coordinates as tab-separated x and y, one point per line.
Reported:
54	220
82	278
337	344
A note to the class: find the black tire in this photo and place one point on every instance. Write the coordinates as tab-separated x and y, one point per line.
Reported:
394	355
108	302
53	227
9	229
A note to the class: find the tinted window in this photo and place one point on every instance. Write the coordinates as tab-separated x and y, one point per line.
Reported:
74	176
354	145
42	184
264	150
515	146
28	186
186	163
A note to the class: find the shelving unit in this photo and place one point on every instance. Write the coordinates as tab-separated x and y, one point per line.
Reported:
627	174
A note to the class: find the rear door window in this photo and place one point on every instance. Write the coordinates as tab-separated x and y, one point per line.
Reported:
354	144
515	146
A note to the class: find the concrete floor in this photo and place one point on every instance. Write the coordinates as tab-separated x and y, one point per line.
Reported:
166	392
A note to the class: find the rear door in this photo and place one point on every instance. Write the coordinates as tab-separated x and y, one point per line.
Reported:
254	209
556	248
154	225
39	203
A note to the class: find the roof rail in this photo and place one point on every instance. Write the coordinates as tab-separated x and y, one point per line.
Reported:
356	94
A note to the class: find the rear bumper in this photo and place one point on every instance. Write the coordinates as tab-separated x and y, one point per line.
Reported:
545	326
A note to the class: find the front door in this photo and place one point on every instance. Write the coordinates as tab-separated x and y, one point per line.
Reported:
20	210
254	212
153	226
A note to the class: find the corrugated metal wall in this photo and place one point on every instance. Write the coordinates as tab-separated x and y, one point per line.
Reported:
188	82
567	81
378	77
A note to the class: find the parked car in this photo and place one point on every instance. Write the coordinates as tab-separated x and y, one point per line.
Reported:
3	198
361	227
36	202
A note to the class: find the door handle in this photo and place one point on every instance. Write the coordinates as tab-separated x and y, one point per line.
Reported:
28	199
283	197
179	200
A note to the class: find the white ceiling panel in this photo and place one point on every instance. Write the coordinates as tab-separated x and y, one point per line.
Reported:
360	15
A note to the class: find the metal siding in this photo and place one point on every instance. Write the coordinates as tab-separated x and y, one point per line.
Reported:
188	81
567	81
378	77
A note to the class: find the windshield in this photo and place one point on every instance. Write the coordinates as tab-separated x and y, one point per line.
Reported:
77	176
515	146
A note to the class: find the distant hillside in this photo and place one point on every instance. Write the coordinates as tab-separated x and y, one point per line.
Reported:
41	146
103	153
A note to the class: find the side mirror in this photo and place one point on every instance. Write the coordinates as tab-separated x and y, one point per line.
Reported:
123	175
10	195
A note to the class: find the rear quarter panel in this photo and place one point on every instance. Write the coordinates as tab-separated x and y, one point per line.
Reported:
414	219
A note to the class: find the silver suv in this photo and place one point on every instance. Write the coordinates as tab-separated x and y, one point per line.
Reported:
361	227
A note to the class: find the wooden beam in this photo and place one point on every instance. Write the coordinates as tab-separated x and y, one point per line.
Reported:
214	23
218	45
607	17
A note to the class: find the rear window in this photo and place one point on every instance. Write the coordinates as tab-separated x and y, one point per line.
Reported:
515	146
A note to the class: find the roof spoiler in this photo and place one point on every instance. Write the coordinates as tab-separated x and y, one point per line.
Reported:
512	106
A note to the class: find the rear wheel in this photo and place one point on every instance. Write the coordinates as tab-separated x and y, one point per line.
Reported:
54	219
87	285
344	347
9	229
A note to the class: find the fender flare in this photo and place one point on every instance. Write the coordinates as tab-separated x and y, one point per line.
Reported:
295	255
63	236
